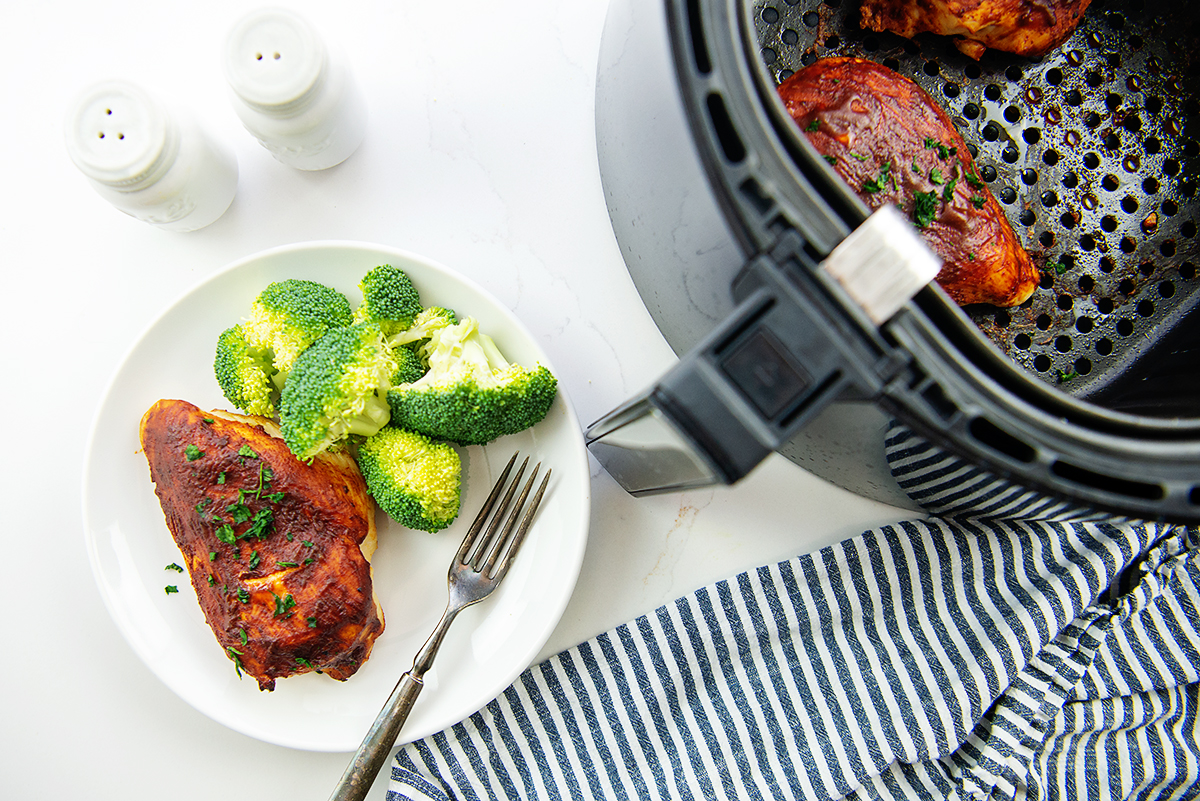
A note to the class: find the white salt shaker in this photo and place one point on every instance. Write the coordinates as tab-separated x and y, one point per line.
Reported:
153	163
299	100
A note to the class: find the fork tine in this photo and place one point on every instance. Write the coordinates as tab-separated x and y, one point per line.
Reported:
496	546
475	557
497	571
481	518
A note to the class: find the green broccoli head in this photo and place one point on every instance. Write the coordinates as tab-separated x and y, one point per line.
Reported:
245	373
288	316
409	364
471	394
423	325
337	388
415	480
389	298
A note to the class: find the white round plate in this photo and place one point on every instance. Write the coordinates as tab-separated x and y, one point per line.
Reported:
487	647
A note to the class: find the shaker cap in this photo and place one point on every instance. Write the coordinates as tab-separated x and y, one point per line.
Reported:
117	134
273	59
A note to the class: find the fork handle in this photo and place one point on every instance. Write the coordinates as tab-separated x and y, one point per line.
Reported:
377	745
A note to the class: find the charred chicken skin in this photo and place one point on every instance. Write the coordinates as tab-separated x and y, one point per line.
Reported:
276	549
893	144
1024	27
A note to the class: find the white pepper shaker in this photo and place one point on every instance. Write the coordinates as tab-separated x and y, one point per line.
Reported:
153	163
297	98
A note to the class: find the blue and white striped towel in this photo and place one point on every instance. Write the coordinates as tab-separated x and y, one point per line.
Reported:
1008	647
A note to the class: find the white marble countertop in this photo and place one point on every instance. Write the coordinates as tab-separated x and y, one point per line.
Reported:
480	154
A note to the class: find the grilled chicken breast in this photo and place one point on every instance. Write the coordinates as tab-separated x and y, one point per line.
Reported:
277	549
1025	27
893	144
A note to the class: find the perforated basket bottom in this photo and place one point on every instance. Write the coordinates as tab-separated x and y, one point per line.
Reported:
1088	151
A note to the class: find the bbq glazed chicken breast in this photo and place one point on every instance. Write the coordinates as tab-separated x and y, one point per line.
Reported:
893	144
1025	27
277	549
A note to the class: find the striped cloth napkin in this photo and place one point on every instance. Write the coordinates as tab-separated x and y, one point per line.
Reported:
1008	647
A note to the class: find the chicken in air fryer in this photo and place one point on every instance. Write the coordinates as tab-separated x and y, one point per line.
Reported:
893	144
1025	27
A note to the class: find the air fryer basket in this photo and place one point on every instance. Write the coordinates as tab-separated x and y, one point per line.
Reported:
1089	151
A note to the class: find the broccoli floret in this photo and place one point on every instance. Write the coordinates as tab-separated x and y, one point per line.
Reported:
389	298
288	316
409	364
245	373
423	325
471	394
415	480
337	388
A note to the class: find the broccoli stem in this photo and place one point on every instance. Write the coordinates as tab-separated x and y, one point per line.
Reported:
374	416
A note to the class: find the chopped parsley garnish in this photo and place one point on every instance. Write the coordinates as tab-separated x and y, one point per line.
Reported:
245	637
211	580
307	544
171	589
916	167
247	451
1063	376
935	175
287	564
239	512
942	151
948	190
924	208
174	567
225	534
1057	266
830	159
972	178
815	125
283	605
858	156
260	527
880	183
304	662
237	663
254	560
977	201
212	556
243	595
192	452
312	622
208	420
970	257
221	477
204	502
264	483
309	560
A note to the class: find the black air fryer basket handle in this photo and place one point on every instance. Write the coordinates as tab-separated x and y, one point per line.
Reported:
788	349
776	361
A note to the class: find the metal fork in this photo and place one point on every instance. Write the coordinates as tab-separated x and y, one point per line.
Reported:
478	567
